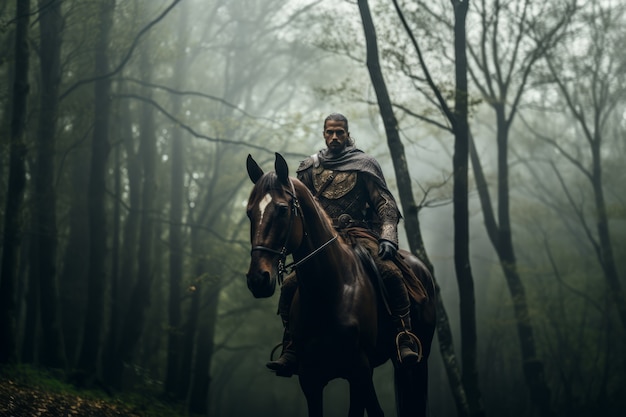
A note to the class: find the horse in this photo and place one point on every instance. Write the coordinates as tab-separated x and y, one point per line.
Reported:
339	326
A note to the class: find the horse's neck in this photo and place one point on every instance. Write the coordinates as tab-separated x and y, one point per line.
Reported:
322	272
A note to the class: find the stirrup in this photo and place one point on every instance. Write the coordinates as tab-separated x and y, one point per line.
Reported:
414	338
274	351
286	364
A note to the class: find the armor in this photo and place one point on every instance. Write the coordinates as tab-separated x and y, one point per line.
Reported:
353	198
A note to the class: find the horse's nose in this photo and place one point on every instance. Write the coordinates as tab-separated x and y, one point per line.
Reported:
257	278
260	283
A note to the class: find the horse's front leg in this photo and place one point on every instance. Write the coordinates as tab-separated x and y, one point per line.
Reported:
313	388
357	401
363	394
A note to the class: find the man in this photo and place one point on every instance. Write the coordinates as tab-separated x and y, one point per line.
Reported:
350	186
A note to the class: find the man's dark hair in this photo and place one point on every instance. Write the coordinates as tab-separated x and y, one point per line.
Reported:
337	117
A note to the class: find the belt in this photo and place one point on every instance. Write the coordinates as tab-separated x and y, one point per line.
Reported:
345	220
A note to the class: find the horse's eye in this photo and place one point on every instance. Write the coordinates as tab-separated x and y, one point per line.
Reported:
283	209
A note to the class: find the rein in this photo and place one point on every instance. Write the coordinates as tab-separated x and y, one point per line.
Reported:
282	253
294	265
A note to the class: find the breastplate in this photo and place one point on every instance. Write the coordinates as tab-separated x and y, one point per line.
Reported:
343	195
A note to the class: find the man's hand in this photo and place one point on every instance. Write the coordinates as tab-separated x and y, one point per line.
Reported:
386	249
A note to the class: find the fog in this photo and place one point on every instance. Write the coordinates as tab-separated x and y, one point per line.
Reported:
207	82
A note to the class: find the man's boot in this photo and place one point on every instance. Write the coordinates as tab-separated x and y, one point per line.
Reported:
407	344
286	364
399	303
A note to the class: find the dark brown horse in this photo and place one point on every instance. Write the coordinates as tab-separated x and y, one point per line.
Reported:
339	327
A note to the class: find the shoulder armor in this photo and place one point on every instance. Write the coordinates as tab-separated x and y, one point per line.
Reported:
311	161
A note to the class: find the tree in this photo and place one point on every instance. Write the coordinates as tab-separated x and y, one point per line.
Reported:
16	186
458	120
96	274
410	208
43	264
592	98
132	330
175	365
501	73
460	163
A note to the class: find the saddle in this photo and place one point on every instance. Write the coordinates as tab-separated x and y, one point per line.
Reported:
415	288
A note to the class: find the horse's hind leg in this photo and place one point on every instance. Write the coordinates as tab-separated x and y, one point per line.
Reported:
411	386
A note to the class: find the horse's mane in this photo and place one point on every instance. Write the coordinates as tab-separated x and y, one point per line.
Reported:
310	205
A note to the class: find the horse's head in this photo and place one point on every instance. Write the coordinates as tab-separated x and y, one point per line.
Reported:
275	225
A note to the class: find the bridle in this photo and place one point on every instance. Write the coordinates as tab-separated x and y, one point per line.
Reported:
296	210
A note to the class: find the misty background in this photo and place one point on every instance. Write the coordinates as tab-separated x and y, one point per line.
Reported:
124	130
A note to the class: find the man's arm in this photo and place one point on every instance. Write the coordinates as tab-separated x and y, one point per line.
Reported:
387	210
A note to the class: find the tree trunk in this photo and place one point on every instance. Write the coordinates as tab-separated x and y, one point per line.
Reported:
96	274
30	325
114	292
72	283
396	148
190	332
128	270
460	162
175	366
16	185
201	378
502	242
128	257
135	317
605	249
44	197
153	344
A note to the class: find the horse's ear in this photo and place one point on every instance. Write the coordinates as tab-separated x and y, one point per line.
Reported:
254	170
282	170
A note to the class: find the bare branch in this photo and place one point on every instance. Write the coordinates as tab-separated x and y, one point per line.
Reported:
197	134
578	211
575	161
442	101
192	93
126	58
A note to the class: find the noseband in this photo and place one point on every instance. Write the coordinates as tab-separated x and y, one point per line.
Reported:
294	206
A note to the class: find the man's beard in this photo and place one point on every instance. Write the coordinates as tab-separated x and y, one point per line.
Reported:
335	148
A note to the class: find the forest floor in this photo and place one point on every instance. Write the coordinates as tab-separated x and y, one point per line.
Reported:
17	400
29	397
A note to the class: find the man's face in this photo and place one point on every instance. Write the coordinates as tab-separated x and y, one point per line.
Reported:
336	136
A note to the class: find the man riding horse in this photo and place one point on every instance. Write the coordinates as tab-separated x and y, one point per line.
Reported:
351	188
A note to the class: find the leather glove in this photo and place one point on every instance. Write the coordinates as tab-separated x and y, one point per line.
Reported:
386	249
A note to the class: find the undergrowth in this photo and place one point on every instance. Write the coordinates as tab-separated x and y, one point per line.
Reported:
59	389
